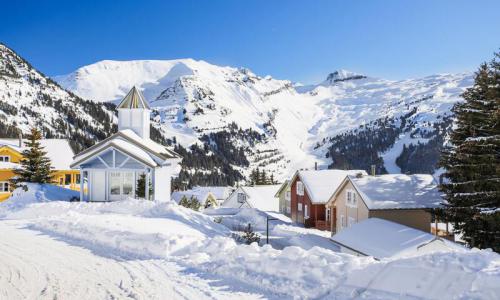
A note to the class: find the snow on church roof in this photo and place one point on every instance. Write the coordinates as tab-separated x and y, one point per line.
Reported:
58	151
145	150
321	184
398	191
134	99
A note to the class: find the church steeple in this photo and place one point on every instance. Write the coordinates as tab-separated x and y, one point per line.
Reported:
134	99
133	113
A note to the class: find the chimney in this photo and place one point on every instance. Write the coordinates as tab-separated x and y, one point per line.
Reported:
20	136
315	166
373	170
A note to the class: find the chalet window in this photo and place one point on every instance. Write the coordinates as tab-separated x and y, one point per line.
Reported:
341	221
4	186
351	199
4	158
287	196
328	212
299	206
288	210
67	179
300	188
242	197
306	212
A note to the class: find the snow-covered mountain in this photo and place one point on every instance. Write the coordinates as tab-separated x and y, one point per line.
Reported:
28	98
285	126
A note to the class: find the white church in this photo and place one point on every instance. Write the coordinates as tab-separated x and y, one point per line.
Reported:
110	169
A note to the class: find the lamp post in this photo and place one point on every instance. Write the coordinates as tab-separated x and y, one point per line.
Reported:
267	227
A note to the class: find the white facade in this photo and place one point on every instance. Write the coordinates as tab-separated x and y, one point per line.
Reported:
260	197
136	119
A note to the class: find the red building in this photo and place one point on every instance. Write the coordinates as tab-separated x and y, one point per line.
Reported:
310	191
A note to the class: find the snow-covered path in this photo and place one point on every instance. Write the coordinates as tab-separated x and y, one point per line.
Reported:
52	269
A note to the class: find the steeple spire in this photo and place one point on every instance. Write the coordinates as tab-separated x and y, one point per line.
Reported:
134	113
134	99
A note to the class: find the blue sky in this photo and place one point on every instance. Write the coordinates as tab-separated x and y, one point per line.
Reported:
297	40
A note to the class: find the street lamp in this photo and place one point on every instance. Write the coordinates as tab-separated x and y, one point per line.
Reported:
268	218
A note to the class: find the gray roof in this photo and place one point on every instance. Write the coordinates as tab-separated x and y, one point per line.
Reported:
134	99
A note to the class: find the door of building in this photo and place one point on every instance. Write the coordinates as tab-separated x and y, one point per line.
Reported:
121	185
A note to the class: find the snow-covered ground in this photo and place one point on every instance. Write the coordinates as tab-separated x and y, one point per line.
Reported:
146	250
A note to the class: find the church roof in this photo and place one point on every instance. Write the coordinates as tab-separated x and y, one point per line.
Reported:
134	99
145	150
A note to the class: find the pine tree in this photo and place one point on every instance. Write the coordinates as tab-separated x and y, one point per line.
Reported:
472	161
140	191
35	165
263	178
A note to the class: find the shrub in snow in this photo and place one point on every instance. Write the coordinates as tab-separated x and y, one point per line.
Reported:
249	236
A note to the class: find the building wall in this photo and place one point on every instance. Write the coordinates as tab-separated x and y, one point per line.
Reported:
415	218
283	202
356	214
232	200
316	212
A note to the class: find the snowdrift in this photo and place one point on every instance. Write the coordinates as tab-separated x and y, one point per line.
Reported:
135	229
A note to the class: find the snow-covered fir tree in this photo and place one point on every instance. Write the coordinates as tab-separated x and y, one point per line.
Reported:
35	165
472	162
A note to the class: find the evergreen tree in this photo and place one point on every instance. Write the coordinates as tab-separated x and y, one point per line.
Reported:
140	191
263	178
35	165
472	161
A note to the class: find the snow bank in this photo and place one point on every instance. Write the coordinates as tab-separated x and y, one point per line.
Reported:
292	272
35	193
246	216
144	229
454	275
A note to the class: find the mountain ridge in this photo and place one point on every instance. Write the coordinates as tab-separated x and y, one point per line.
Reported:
191	99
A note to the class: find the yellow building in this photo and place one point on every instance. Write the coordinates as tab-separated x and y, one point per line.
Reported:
58	151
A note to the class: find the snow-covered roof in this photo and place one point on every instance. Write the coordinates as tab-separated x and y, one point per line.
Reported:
200	195
398	191
144	150
282	187
381	238
134	99
321	184
219	192
262	197
58	151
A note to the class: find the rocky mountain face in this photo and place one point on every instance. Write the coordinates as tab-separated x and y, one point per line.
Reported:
28	98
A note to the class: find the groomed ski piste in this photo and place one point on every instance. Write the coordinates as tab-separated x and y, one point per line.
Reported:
52	248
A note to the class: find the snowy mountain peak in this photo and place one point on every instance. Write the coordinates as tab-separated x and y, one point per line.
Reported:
272	124
342	75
